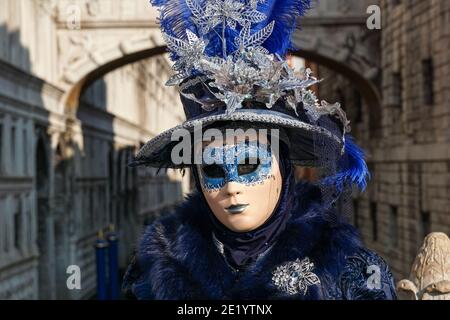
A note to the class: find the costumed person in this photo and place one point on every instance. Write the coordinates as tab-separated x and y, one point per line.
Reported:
249	231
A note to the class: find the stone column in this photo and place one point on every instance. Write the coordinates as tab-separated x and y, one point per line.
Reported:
18	148
6	146
30	151
50	244
33	221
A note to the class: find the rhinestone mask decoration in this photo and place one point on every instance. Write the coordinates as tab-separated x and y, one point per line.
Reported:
295	277
249	73
228	161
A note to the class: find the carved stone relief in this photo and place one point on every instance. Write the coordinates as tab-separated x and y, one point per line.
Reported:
430	274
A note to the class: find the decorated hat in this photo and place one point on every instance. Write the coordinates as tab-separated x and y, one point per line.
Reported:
230	66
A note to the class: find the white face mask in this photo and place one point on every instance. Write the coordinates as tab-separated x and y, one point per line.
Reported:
242	191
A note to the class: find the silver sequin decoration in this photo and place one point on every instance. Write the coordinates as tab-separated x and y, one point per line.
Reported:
295	277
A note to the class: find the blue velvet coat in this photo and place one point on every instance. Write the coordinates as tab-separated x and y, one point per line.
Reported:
177	258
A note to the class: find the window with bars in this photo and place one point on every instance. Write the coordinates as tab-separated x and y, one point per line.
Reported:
374	220
428	82
425	224
393	226
17	220
397	89
29	217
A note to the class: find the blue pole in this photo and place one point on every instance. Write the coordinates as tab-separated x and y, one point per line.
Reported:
113	259
100	253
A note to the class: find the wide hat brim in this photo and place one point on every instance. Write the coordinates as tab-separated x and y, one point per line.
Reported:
302	136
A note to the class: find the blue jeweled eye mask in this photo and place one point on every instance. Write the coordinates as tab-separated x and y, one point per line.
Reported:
246	163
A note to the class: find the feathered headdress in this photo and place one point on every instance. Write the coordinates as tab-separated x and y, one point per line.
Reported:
222	24
238	46
230	65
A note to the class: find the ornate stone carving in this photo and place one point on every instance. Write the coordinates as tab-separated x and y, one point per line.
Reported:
48	7
78	47
93	8
430	274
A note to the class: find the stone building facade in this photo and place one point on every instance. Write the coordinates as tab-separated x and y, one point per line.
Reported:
63	166
408	139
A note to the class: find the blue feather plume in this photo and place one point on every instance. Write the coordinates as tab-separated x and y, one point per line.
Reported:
285	14
351	168
176	18
214	47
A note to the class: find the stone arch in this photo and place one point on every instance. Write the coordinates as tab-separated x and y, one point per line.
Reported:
94	65
341	60
317	49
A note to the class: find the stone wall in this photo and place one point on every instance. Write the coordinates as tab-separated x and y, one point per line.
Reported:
409	153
